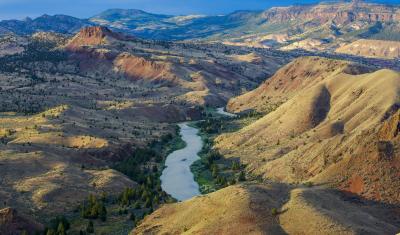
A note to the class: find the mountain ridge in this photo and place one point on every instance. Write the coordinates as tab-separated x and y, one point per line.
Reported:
323	20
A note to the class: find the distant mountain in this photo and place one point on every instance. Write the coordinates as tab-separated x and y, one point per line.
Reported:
128	17
168	27
57	23
334	22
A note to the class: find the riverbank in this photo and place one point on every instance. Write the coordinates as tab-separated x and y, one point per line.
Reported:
212	171
123	212
197	168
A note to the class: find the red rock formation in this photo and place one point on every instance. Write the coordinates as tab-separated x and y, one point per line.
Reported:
96	35
137	68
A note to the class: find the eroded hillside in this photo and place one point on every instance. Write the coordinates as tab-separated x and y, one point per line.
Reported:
326	128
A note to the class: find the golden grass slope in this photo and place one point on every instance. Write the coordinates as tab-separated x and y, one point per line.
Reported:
289	80
328	132
249	209
233	210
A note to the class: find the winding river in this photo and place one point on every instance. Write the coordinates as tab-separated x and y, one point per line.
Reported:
177	179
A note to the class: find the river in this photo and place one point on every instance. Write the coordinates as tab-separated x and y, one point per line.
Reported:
177	179
222	112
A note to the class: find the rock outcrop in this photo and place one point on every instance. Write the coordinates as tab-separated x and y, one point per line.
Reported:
94	35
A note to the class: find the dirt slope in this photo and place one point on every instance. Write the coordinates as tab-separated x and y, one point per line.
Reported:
247	209
328	132
372	48
11	222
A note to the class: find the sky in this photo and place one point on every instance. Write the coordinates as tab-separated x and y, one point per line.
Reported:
19	9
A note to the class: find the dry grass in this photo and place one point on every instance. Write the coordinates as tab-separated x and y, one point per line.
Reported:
322	133
268	209
41	157
233	210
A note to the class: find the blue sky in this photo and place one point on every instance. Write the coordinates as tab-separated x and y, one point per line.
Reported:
18	9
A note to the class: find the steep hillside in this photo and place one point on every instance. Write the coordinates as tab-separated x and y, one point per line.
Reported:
326	130
372	48
269	209
291	79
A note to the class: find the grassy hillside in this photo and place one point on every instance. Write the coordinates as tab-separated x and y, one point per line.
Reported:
268	209
327	123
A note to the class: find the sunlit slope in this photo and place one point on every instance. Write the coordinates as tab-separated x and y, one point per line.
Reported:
292	78
267	209
372	48
328	131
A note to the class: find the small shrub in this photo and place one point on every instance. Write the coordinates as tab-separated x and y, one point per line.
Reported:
309	184
274	212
